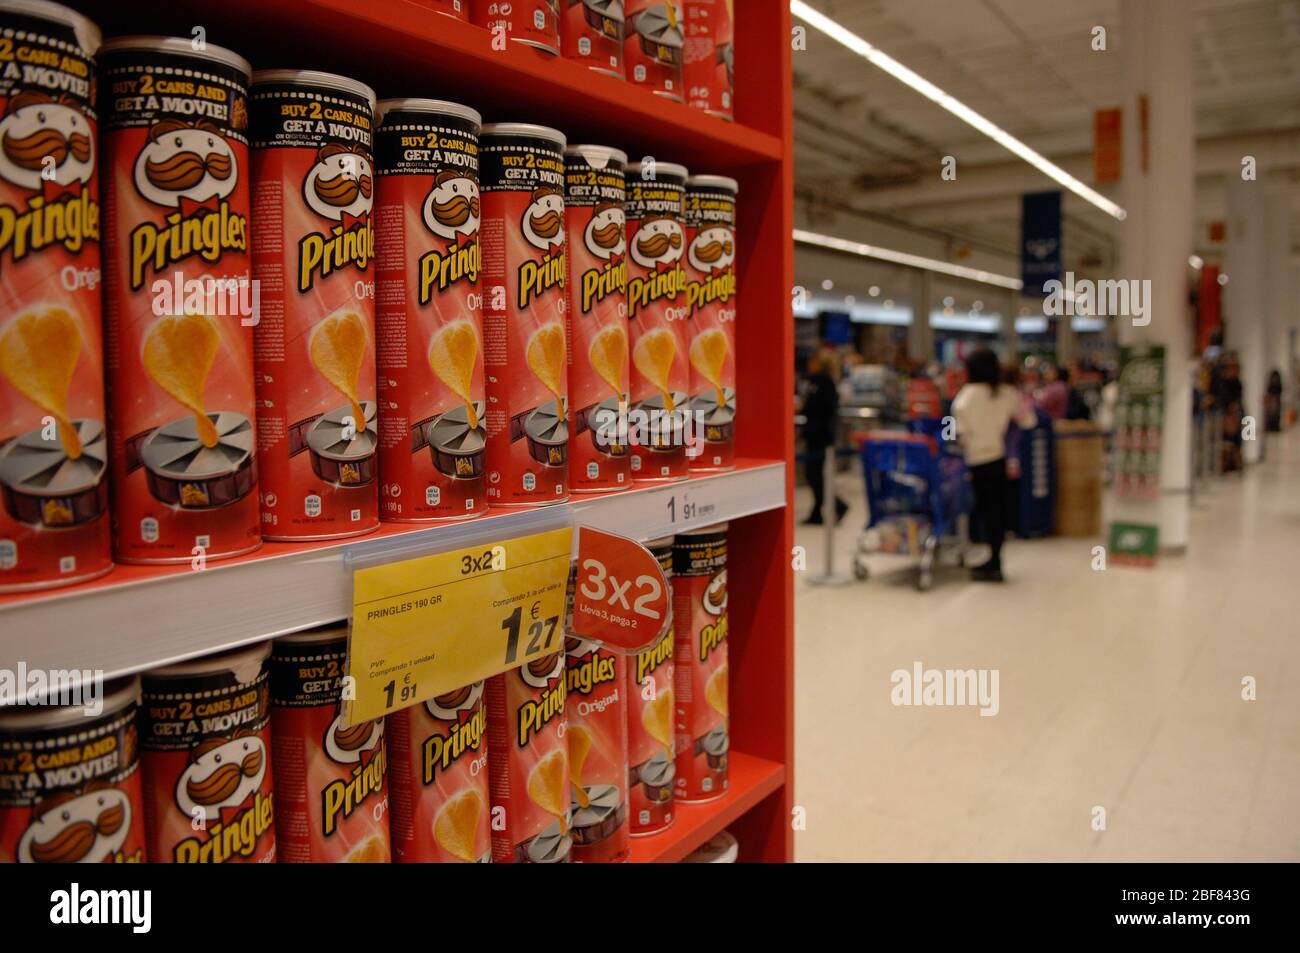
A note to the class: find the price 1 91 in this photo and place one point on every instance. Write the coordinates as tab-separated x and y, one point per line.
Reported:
397	697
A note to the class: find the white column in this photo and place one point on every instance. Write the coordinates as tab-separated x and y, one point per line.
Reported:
1245	299
920	336
1157	235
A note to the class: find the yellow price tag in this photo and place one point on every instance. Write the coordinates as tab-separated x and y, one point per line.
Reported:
426	626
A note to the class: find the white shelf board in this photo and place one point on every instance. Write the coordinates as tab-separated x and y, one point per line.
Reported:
141	623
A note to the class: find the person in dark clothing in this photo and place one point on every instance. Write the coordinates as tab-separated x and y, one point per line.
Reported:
1273	403
1229	398
821	410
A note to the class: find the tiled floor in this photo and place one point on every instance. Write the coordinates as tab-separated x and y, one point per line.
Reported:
1119	690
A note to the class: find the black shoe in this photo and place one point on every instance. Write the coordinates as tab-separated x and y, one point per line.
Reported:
814	520
986	573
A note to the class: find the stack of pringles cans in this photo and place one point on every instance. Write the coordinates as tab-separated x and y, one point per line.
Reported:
320	311
244	757
316	312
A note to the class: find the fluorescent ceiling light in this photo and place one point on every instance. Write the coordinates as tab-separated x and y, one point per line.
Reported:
904	258
819	21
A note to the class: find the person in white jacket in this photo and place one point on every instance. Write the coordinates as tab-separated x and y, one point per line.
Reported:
983	410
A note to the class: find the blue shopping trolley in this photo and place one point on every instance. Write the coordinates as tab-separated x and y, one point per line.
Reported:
919	497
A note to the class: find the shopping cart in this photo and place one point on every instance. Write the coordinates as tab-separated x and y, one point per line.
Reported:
919	497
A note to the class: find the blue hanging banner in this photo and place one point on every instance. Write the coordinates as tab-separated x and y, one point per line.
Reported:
1040	241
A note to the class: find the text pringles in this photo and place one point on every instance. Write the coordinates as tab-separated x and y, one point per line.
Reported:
651	739
710	214
313	249
70	784
432	417
179	305
54	525
700	621
596	716
521	173
660	422
599	382
331	799
528	757
439	774
205	738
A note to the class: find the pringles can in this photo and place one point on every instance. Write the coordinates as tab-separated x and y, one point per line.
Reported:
599	382
456	9
54	525
657	315
525	357
429	325
313	248
652	46
331	799
205	738
651	738
700	620
70	782
591	33
711	300
596	715
528	759
709	56
178	301
440	801
534	23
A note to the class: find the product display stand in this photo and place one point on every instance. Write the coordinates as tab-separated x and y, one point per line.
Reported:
137	618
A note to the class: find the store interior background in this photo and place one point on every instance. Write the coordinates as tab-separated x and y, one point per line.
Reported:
1120	689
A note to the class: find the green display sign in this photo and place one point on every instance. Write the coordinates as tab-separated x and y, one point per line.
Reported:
1140	421
1134	543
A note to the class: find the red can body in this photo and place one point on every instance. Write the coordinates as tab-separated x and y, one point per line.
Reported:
313	253
708	56
534	23
432	408
591	33
700	620
651	739
653	43
525	321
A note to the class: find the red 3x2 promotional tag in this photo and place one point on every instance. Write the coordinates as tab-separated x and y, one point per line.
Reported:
620	597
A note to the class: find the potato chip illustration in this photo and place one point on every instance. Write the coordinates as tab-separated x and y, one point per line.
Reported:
370	851
38	354
452	354
546	358
178	355
708	354
657	716
579	747
456	826
547	785
654	355
608	354
715	691
338	346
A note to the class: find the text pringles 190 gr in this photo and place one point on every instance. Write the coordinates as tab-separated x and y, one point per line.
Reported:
598	373
179	304
205	742
711	298
54	526
439	777
432	434
313	247
69	782
525	351
331	803
651	739
700	621
657	314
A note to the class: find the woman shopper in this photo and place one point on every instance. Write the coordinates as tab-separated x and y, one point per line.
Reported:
821	410
983	410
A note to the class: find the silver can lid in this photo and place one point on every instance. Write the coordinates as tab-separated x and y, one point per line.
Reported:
598	156
436	107
322	633
311	77
117	694
244	663
88	34
524	129
660	168
179	46
714	182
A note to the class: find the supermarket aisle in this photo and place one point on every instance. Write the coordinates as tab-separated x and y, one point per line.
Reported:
1119	689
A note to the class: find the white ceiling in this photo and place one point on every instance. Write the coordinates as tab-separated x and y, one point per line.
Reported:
865	141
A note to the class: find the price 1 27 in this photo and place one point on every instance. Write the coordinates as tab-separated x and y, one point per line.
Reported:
541	634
